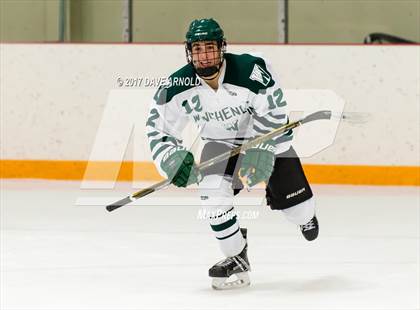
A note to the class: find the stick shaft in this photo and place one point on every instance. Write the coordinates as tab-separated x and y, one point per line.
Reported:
235	151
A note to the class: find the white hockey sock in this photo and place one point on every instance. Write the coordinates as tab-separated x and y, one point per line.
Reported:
217	200
302	213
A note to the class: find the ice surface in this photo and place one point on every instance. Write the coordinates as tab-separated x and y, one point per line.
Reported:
59	255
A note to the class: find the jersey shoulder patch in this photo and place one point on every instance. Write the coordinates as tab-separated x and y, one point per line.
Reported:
248	71
178	82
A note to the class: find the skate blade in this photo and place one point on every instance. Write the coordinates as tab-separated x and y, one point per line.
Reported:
223	283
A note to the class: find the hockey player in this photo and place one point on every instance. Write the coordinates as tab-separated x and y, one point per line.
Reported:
238	97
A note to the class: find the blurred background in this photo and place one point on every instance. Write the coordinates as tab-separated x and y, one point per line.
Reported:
72	83
261	21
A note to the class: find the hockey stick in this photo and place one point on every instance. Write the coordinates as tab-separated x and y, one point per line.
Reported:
380	38
311	117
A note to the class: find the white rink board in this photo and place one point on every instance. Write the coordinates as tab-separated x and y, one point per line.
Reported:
53	96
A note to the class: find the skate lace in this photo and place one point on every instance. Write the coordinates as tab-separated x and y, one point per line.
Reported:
308	226
234	260
226	262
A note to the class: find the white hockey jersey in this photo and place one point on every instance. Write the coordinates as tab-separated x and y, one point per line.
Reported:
249	102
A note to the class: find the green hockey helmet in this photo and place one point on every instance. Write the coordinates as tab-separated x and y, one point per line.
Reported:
206	29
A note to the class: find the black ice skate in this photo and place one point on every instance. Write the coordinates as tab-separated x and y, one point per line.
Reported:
236	266
310	230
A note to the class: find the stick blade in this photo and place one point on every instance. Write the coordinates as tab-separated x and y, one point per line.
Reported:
326	114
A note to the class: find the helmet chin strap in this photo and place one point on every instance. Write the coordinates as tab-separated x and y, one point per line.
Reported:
206	72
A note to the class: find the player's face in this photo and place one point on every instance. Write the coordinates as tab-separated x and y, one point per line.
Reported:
205	54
